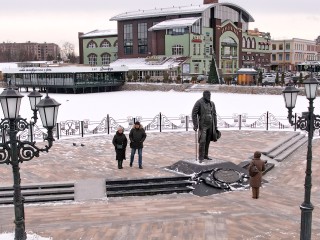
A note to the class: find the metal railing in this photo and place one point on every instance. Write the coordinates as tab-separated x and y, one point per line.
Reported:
159	123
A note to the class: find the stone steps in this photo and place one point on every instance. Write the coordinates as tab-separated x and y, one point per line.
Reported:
43	192
148	186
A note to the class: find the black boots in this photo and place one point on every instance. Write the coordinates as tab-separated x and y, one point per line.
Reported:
120	164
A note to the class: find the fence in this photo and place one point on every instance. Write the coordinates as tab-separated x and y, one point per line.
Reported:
159	123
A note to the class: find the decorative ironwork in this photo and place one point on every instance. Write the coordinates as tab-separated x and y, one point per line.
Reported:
154	124
70	127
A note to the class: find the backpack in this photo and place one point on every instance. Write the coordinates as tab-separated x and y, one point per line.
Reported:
253	170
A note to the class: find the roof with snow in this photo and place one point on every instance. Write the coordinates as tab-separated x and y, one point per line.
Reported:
179	10
175	23
161	64
97	33
247	71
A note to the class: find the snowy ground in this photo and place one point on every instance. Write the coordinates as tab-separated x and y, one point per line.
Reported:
30	236
120	105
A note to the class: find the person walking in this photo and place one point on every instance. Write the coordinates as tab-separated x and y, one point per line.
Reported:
120	143
204	117
256	167
137	136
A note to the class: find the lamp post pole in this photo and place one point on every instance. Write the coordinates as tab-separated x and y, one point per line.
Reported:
17	196
307	122
15	151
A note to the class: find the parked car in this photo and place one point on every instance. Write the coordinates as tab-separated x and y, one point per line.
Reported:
268	79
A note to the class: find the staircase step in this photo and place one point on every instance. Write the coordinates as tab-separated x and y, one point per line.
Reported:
34	192
147	180
290	150
285	146
149	185
37	199
277	144
144	192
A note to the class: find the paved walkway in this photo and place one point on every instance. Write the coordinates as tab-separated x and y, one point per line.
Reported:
232	215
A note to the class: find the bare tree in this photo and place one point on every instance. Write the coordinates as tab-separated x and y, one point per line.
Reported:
67	49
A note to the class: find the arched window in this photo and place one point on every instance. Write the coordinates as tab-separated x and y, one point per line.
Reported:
177	49
105	58
253	43
105	44
115	43
92	59
115	56
244	42
248	43
92	44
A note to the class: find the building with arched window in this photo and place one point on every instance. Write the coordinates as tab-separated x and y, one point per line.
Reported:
99	47
196	33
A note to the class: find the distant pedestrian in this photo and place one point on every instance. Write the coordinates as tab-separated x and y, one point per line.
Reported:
256	167
137	136
120	143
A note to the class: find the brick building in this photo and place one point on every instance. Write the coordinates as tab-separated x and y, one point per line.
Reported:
28	51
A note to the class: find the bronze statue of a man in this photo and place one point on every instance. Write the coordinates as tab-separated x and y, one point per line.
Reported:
204	117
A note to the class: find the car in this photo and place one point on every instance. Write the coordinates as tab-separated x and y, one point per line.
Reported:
268	79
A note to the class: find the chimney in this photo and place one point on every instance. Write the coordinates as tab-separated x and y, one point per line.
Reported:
210	1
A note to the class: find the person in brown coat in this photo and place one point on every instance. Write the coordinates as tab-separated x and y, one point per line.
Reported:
256	177
120	143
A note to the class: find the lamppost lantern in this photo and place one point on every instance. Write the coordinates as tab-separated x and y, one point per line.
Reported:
34	98
311	87
13	151
10	103
48	109
308	122
290	95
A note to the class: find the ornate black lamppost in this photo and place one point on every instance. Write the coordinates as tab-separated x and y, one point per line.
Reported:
14	151
308	122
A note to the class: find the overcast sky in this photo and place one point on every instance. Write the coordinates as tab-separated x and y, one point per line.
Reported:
60	21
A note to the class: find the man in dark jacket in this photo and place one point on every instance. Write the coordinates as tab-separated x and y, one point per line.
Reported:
137	136
204	117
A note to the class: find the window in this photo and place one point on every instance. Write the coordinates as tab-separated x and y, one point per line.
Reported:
142	38
105	44
105	58
92	44
273	57
115	43
177	31
194	49
128	39
248	43
287	46
92	58
253	43
280	56
287	56
244	42
281	46
177	50
274	47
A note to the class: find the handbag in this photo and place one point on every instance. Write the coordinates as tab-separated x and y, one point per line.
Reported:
119	146
253	170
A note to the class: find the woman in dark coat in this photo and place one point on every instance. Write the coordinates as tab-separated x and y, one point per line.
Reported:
120	143
255	181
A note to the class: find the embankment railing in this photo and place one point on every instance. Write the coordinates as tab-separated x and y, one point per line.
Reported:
159	123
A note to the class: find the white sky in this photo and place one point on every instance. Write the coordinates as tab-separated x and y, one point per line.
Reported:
60	21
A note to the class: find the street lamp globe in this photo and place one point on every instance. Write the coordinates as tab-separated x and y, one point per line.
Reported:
290	94
311	87
10	103
34	98
48	110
